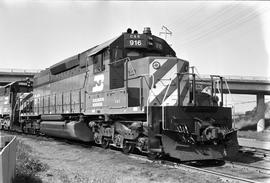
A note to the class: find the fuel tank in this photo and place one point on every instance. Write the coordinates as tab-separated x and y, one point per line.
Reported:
69	130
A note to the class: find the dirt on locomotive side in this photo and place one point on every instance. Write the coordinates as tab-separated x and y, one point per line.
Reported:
69	163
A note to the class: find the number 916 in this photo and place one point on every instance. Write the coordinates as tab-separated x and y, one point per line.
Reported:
135	42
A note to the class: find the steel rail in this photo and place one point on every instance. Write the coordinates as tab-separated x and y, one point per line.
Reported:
183	166
256	151
247	165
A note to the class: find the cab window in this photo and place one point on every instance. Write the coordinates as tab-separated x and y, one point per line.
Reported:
98	63
117	54
134	54
106	55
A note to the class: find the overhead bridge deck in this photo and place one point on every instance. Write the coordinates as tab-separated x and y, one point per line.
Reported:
242	84
10	75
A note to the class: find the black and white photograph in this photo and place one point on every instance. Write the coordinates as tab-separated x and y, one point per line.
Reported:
134	91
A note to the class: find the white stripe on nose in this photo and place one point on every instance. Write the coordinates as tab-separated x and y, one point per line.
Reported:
163	83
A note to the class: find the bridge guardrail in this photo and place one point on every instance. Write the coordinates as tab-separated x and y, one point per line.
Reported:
8	145
20	70
231	77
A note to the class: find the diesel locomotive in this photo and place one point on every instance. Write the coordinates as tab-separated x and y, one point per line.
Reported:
130	92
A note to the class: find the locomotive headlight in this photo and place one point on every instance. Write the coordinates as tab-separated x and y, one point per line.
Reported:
156	65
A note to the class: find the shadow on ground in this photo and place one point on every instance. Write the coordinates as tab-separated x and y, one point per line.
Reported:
26	179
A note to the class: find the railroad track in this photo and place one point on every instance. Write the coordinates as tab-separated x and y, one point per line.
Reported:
263	153
171	164
255	167
193	168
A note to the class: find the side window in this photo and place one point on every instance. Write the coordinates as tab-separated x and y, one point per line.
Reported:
117	54
98	63
106	55
134	54
117	69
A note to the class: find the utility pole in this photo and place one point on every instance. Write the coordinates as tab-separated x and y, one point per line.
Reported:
166	32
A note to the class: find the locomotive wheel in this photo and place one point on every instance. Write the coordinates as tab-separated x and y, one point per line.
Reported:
105	143
127	148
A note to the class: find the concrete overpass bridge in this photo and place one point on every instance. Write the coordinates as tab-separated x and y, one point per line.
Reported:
11	75
259	86
241	84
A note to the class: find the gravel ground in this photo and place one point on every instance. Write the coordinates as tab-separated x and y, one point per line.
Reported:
69	163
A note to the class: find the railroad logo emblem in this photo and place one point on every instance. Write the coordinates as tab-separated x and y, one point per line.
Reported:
98	83
156	65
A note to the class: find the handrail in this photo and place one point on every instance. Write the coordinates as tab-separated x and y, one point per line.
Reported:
233	108
147	103
231	77
122	59
163	106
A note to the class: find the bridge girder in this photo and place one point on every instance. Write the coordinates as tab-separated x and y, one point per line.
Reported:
8	77
243	87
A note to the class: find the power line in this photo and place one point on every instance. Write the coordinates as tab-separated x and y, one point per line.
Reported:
218	26
208	20
185	20
226	25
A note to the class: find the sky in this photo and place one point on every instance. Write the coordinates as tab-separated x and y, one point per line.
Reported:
225	38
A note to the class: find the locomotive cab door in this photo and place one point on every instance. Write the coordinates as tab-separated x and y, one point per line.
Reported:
117	94
117	69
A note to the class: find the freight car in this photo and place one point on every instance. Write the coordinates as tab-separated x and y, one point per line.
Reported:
130	92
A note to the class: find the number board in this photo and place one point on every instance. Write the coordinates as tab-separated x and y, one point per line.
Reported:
135	41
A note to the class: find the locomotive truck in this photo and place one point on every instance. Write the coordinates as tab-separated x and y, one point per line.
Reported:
130	92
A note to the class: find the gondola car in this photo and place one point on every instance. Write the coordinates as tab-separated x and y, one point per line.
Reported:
131	92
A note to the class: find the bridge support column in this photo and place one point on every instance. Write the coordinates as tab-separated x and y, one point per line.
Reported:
260	112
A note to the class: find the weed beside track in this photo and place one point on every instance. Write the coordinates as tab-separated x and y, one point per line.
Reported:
27	166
